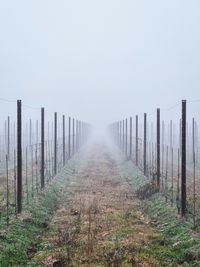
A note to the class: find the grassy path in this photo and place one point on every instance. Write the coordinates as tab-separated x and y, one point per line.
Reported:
99	222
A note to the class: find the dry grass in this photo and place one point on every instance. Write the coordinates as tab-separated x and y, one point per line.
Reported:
98	223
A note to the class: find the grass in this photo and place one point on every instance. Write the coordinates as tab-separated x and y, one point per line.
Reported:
158	238
19	241
180	243
177	243
109	231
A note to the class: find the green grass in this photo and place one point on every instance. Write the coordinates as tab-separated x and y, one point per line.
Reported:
181	244
22	235
177	242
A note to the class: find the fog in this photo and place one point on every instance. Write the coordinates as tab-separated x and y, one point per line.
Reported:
99	61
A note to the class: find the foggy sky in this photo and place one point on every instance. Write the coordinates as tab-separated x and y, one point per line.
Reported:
99	60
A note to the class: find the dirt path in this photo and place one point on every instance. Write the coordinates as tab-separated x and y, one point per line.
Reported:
99	222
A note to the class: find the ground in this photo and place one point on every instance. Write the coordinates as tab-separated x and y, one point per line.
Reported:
99	221
99	211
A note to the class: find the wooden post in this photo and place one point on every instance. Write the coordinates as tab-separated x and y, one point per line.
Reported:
131	137
19	156
69	138
73	135
123	136
55	143
8	152
64	149
158	148
120	135
126	136
183	161
136	141
77	135
145	145
194	173
163	152
42	148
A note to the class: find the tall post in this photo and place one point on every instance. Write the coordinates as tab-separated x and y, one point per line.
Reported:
19	156
123	137
171	135
117	134
158	148
120	134
183	161
5	145
30	133
73	135
69	138
163	150
194	172
64	149
8	152
131	137
77	135
178	183
42	148
80	133
136	141
145	144
55	143
126	136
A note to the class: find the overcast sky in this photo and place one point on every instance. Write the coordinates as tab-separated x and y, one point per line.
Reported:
99	60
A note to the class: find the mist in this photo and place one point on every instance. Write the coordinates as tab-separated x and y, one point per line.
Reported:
99	60
99	133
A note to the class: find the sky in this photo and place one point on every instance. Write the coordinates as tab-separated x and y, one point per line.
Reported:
99	61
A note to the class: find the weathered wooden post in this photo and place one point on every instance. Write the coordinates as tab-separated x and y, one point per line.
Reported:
183	160
19	156
42	148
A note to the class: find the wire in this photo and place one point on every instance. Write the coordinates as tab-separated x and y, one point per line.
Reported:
14	101
7	100
166	109
193	101
172	107
36	108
